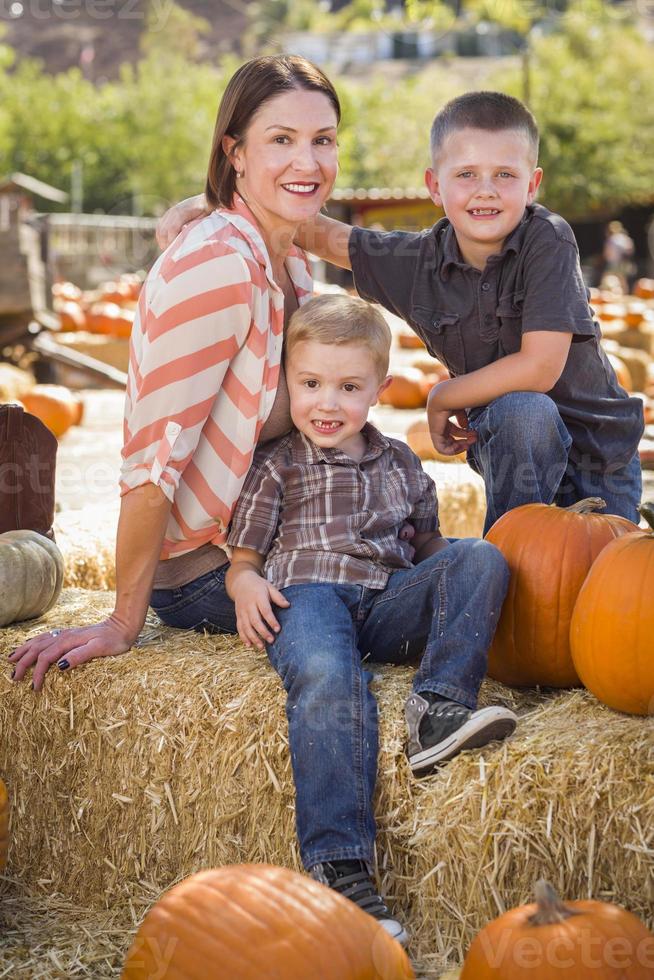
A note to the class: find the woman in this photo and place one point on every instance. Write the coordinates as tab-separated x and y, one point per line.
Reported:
204	380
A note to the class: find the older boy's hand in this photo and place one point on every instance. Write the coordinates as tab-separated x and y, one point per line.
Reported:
255	619
171	223
448	438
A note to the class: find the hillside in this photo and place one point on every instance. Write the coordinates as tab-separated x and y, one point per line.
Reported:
59	31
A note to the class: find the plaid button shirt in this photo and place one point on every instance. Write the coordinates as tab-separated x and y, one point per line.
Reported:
320	516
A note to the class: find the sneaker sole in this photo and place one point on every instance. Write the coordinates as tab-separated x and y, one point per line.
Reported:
487	725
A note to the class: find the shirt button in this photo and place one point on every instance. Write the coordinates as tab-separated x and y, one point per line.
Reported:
485	286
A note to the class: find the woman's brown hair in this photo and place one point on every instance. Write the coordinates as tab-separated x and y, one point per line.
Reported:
256	82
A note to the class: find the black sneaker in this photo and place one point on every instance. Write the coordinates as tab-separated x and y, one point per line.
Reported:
353	880
440	729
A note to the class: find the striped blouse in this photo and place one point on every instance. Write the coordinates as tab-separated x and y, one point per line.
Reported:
204	364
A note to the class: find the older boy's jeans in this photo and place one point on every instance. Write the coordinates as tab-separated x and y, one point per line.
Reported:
522	453
448	606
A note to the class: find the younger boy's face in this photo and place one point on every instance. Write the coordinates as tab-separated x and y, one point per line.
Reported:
332	388
483	180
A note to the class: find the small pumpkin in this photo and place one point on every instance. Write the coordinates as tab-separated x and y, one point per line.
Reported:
549	551
64	291
418	438
55	405
612	628
406	390
71	315
252	921
4	825
110	319
31	575
644	289
550	940
410	341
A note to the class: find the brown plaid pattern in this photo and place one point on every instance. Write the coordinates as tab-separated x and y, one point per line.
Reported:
322	517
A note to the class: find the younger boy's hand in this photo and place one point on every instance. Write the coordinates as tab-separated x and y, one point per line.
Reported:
448	438
255	619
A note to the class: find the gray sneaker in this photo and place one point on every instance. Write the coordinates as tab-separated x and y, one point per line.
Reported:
440	729
353	880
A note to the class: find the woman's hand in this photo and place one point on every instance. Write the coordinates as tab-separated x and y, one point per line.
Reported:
253	597
69	648
171	223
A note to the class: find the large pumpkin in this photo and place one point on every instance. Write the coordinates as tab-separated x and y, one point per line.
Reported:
4	825
550	940
612	629
110	319
31	575
249	921
549	551
55	405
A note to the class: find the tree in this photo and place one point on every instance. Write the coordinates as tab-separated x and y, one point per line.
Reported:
592	92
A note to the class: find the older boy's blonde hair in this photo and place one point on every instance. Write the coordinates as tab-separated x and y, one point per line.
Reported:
335	318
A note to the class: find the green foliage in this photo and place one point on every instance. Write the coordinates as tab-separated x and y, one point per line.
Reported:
592	92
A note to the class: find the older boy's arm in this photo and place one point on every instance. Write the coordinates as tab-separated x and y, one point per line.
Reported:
253	597
537	366
173	220
327	238
426	544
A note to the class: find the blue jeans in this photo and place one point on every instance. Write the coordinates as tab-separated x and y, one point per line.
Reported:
447	606
202	604
522	454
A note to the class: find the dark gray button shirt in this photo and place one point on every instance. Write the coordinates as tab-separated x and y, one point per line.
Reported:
469	318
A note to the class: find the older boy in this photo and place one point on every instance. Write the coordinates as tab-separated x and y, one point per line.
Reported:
325	504
495	291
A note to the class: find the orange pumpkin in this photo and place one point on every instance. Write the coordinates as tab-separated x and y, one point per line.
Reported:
612	629
418	438
56	406
115	292
4	825
549	551
431	367
66	291
409	340
249	921
622	371
133	282
71	315
644	289
406	390
110	319
550	940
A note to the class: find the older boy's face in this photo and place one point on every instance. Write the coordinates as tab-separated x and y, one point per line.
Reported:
332	388
483	181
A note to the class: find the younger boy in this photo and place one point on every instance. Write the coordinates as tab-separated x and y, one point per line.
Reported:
326	504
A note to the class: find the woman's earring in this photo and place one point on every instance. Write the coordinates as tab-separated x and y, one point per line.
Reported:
240	173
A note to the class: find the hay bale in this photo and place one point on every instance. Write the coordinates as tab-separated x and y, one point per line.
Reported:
87	541
129	774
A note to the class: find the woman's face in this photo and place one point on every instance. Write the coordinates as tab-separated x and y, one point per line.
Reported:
289	159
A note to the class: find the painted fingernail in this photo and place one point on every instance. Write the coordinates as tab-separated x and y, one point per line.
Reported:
63	664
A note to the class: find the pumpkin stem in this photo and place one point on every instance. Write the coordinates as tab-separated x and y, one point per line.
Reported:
550	907
647	511
587	505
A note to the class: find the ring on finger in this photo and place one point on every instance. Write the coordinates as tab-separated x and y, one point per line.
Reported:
55	632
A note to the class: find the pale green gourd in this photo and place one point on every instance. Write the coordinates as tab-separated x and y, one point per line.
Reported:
31	575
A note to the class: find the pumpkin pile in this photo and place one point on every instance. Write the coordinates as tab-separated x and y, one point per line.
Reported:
108	310
410	386
550	940
252	921
31	575
55	405
578	608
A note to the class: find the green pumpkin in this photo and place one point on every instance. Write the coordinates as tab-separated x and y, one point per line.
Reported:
31	575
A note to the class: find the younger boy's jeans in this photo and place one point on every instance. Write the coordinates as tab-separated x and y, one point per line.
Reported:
522	453
448	606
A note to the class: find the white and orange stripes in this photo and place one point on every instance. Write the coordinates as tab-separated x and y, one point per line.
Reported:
204	365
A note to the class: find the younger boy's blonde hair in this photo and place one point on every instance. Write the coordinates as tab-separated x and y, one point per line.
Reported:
335	318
